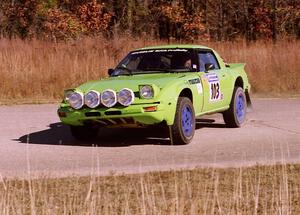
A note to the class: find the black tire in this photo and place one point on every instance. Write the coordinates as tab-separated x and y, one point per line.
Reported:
235	116
84	133
182	132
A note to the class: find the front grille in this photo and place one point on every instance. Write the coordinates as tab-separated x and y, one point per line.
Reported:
92	114
116	121
113	113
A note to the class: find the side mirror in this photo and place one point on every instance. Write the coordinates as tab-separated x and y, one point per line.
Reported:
110	71
209	66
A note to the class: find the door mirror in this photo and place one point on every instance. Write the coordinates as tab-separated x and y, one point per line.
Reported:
110	71
209	66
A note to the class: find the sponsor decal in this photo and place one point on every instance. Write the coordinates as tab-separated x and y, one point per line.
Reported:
194	81
159	50
199	88
212	77
198	84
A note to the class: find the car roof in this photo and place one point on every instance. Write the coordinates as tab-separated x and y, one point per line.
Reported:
174	46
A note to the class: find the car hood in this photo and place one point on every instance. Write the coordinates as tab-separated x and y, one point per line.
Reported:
132	82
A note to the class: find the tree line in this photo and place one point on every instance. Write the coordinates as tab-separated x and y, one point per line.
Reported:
189	20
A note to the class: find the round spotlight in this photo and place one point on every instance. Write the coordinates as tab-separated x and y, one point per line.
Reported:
126	97
92	99
108	98
75	99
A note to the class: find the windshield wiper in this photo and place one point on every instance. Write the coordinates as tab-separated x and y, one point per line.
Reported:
157	70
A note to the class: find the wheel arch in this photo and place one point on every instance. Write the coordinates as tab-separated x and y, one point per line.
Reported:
182	91
186	92
239	82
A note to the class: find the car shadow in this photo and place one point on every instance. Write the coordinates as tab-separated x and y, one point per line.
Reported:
208	123
59	134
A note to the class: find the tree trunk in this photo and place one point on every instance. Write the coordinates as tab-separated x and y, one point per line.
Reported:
274	20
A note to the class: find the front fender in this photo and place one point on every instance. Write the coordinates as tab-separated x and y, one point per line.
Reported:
169	95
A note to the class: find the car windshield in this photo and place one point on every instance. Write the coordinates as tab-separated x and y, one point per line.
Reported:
156	61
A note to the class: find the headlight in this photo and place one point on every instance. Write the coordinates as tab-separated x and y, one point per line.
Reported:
92	99
146	92
108	98
126	97
75	99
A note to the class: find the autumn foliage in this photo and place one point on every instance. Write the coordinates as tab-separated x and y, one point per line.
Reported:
165	19
49	20
177	22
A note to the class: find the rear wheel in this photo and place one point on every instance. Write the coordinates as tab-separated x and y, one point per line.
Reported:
183	129
235	116
84	133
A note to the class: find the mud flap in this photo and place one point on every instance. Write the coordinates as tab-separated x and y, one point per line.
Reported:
249	103
170	134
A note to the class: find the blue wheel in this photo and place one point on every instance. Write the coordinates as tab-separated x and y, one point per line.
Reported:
240	108
235	116
183	129
187	121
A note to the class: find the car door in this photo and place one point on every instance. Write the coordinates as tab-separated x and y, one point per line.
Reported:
213	80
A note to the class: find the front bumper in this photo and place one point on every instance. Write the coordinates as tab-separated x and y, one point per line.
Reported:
120	116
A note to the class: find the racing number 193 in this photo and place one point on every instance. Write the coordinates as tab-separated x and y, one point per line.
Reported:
215	90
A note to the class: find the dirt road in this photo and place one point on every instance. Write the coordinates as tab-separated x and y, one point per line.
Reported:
32	141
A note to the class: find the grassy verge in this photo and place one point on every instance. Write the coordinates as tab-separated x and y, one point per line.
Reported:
40	71
252	190
35	101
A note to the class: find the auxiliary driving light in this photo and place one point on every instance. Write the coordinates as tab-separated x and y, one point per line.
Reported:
126	97
108	98
75	99
92	99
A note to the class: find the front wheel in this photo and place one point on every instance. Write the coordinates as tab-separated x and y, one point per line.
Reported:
183	129
235	116
83	133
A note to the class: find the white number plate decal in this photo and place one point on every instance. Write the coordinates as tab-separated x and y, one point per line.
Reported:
214	87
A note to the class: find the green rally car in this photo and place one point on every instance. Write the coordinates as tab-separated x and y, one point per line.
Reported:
162	85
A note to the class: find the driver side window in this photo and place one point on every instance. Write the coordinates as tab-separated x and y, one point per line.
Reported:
207	57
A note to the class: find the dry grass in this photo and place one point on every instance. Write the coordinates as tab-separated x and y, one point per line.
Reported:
36	70
255	190
272	68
